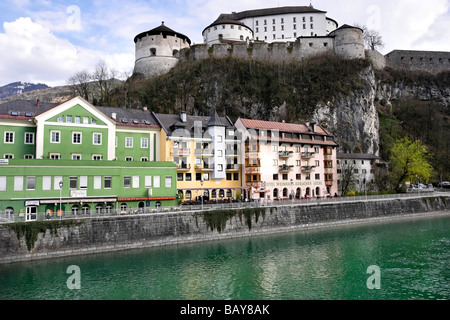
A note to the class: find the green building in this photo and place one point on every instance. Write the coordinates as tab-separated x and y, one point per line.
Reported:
107	160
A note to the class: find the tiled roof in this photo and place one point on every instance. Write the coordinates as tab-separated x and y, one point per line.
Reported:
170	122
275	11
362	156
162	29
281	126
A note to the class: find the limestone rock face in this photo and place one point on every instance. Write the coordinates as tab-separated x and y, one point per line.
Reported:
353	119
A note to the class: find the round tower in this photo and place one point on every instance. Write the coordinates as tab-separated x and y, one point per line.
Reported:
157	50
349	42
227	29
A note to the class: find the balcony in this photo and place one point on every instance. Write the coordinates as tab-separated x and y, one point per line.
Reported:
181	152
308	169
233	167
183	167
285	168
252	170
255	184
231	153
286	154
252	155
204	167
308	155
204	152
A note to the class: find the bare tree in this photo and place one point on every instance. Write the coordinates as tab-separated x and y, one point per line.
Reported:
79	84
347	168
372	38
105	80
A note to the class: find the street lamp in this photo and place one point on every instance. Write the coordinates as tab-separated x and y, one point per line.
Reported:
60	199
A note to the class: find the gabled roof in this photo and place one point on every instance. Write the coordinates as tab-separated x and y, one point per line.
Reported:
172	122
281	126
27	110
215	121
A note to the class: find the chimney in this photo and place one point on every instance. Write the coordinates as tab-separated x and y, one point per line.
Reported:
313	126
145	108
114	115
183	116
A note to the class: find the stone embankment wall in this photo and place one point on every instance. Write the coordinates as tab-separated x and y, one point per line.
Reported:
130	232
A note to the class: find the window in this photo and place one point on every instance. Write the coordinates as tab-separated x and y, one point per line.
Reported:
148	181
29	138
219	138
8	156
31	214
229	176
55	156
76	137
83	182
60	119
198	177
144	143
127	182
180	176
31	183
86	120
77	119
144	159
97	157
317	176
69	119
18	183
3	183
275	177
285	176
298	176
168	181
9	137
136	182
157	181
236	176
220	167
73	183
76	156
188	176
129	159
275	148
97	139
56	181
55	136
28	156
97	182
128	142
107	181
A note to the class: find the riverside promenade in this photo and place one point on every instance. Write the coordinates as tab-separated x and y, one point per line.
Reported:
106	233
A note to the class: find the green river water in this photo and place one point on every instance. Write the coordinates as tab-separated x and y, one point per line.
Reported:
412	257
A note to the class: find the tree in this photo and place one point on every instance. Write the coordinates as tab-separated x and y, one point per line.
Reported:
372	38
79	84
409	161
105	80
348	180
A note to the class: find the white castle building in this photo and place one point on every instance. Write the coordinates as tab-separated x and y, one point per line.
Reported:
279	34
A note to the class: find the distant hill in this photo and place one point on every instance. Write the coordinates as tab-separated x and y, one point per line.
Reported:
19	88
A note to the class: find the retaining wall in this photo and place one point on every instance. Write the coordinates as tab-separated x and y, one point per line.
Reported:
130	232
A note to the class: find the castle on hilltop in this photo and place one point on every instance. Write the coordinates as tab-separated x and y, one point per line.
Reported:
281	34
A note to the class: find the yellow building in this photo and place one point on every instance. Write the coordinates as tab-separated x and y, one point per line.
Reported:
207	152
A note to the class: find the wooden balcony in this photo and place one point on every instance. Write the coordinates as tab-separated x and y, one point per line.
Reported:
252	170
233	167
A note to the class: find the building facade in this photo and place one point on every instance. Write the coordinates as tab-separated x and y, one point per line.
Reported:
287	161
358	171
206	151
77	143
270	25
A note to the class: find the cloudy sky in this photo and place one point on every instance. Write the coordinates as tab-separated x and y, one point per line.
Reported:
47	41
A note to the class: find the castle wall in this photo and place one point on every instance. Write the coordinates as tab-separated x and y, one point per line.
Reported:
428	61
378	60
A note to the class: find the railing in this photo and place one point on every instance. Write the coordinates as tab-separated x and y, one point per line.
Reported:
181	152
308	155
286	154
222	204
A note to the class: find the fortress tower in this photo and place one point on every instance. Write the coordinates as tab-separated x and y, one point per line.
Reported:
349	42
157	50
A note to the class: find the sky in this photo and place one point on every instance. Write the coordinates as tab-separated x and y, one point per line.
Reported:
47	41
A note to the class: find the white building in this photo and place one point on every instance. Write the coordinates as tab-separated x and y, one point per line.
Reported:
360	168
270	25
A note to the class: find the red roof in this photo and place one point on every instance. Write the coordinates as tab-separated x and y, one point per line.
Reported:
281	126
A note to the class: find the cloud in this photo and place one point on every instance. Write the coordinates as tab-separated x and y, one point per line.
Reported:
32	53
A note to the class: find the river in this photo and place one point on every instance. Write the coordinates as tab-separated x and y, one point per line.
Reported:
396	260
